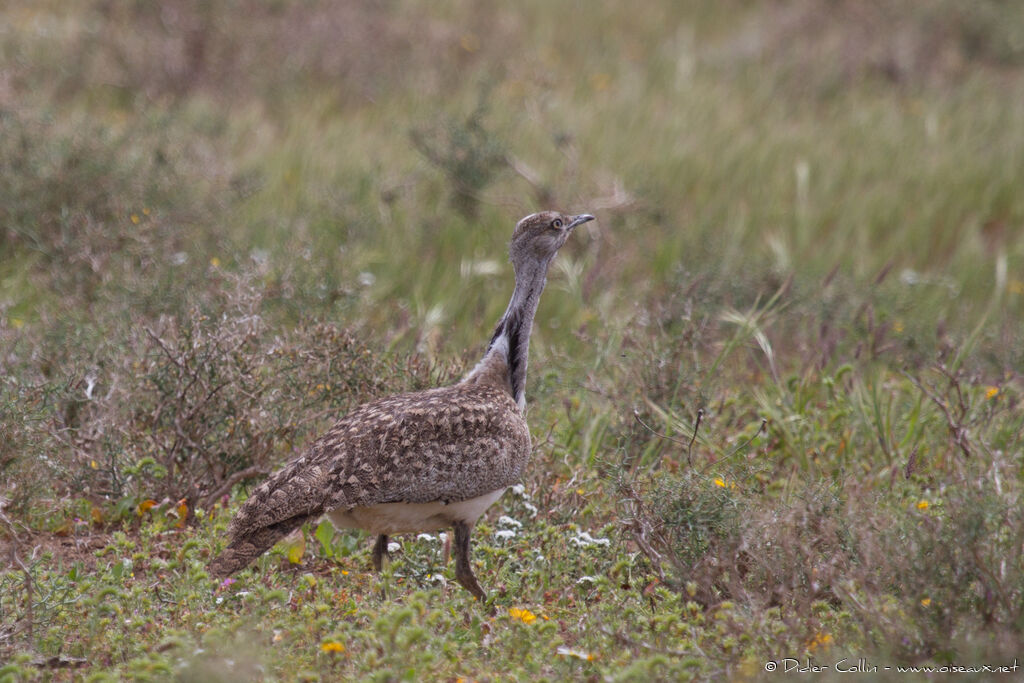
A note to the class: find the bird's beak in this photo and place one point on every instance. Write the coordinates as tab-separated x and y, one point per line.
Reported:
580	220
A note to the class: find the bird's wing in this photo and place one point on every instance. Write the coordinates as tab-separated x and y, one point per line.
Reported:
296	490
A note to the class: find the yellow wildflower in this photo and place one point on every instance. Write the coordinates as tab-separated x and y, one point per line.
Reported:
215	262
991	392
897	326
332	646
295	551
922	505
135	218
523	615
925	602
719	482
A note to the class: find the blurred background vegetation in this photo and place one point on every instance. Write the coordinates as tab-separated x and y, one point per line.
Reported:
225	223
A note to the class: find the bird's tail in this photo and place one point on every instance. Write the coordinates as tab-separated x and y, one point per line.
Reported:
246	547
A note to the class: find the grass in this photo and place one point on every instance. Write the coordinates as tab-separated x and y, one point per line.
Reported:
775	390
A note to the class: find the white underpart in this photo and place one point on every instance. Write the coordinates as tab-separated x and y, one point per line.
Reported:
402	518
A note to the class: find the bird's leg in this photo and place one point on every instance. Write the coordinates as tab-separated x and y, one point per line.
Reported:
380	551
463	570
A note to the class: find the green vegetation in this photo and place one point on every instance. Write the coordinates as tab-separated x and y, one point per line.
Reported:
775	389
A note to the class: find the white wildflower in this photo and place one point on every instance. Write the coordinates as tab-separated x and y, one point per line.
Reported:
583	539
505	520
504	534
578	654
394	547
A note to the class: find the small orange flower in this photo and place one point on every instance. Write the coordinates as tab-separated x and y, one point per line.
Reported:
182	511
991	392
332	646
922	505
820	640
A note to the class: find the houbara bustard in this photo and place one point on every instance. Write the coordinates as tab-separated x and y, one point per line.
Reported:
421	461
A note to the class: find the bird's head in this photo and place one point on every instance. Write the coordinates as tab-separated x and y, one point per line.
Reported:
539	236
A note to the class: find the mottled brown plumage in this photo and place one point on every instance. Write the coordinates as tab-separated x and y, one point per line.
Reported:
418	461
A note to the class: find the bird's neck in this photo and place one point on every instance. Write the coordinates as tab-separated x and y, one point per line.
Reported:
507	353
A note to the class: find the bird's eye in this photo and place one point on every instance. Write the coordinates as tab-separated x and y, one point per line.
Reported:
557	223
